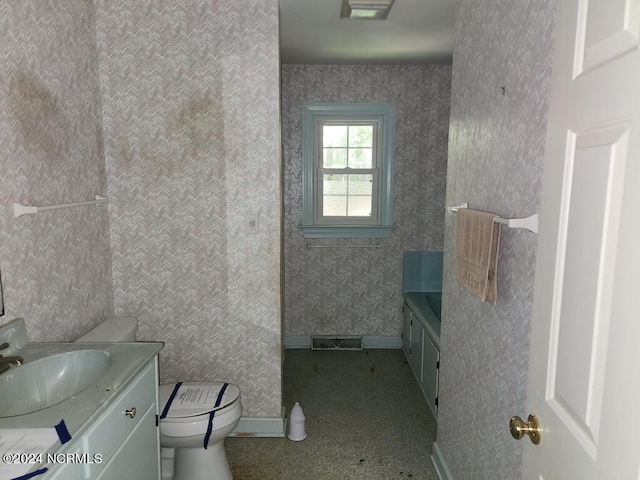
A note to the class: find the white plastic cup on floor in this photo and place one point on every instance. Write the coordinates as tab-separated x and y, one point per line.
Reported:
297	430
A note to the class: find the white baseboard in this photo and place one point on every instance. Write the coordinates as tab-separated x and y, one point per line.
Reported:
259	427
304	341
392	343
297	341
442	470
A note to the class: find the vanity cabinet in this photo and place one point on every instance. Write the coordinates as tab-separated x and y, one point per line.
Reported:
137	457
109	429
406	331
416	345
421	346
430	371
125	436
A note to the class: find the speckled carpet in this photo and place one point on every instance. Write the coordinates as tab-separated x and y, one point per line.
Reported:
366	418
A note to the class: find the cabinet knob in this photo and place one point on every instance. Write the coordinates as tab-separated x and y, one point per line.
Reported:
131	412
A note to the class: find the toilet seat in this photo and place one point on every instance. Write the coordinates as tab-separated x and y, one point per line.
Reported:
185	400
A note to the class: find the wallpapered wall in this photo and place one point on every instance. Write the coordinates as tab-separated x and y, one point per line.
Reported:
359	291
56	266
496	149
190	93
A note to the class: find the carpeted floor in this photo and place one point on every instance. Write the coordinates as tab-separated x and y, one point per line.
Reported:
365	418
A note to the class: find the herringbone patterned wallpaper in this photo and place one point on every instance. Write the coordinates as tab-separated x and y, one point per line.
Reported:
352	291
190	93
496	148
56	266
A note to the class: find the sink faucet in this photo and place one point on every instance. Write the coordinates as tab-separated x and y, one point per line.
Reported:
6	362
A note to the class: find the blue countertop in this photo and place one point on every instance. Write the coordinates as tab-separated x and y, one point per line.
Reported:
428	305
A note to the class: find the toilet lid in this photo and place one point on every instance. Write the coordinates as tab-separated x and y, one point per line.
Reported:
190	399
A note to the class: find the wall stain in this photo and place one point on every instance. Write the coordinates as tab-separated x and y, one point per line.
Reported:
194	125
42	124
191	135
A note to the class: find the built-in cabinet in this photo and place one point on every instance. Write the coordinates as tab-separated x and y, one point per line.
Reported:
421	346
126	437
107	431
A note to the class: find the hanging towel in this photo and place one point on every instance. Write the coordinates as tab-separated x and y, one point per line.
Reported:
477	242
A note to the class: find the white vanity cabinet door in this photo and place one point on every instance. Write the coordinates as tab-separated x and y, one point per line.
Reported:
137	457
421	347
406	330
114	428
66	471
430	362
417	332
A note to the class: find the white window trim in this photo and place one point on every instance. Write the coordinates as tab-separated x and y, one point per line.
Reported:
313	227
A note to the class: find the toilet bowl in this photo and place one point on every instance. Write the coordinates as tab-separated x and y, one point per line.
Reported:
193	414
195	419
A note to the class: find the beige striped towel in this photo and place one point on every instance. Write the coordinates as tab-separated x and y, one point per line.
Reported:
477	244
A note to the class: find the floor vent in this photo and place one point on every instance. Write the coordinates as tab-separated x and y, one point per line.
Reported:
336	343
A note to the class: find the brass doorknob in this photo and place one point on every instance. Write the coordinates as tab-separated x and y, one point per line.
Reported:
131	412
532	428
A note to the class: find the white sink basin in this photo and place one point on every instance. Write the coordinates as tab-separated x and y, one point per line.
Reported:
48	381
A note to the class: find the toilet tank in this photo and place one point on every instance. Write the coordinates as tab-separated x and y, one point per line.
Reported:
113	329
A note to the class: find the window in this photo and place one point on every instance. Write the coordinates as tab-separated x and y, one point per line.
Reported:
347	152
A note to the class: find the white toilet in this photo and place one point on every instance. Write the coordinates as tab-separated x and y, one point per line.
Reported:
192	413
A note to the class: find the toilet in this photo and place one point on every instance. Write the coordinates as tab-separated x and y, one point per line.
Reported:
195	417
113	329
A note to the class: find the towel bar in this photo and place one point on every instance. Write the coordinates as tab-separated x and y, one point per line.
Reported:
530	222
19	209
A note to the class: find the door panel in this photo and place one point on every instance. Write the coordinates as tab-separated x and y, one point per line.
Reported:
582	324
584	365
611	29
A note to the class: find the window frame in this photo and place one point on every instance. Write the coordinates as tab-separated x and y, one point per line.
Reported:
315	115
320	170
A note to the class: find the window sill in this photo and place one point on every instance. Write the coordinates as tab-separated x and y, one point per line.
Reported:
360	231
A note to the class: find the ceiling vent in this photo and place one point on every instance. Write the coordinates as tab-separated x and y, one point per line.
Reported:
366	9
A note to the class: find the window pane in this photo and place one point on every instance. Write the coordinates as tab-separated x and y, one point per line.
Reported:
334	206
359	207
360	158
360	194
334	184
347	195
361	136
334	157
334	135
360	185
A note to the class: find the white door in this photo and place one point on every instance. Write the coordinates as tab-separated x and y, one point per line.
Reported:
584	371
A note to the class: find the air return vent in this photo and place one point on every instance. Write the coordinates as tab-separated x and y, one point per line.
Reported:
336	343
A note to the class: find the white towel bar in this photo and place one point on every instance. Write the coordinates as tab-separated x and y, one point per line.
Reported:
19	209
530	222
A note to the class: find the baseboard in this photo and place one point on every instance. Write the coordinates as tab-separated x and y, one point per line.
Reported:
391	343
442	470
259	427
297	341
304	341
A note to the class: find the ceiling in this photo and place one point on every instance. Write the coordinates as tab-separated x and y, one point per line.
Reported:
415	32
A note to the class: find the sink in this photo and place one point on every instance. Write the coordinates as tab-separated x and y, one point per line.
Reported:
48	381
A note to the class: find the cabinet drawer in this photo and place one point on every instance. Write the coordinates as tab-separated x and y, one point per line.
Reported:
109	432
